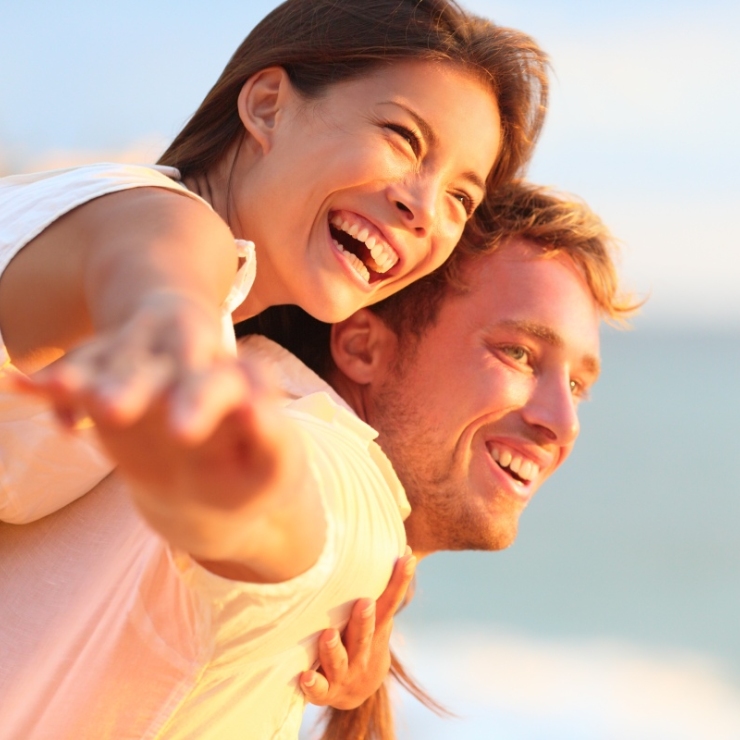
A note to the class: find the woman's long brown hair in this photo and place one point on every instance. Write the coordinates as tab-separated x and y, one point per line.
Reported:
373	720
322	42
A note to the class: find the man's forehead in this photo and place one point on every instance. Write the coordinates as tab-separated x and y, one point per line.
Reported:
539	294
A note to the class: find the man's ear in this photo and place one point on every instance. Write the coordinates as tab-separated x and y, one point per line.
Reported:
362	347
261	102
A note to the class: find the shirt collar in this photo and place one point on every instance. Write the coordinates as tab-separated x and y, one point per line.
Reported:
305	391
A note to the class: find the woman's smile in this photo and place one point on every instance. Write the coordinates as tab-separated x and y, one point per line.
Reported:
389	166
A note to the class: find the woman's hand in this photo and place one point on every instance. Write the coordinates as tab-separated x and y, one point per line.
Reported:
239	499
167	345
353	666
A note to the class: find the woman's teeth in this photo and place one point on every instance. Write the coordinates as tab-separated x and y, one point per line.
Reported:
383	255
520	466
356	262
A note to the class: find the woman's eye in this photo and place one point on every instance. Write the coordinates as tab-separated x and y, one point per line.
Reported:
408	135
579	390
467	202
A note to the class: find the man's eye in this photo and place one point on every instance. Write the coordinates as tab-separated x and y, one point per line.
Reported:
516	353
579	390
406	133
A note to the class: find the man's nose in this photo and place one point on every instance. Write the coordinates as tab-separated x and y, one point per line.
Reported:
553	410
416	199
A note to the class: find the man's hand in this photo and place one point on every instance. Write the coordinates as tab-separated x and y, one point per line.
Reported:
355	665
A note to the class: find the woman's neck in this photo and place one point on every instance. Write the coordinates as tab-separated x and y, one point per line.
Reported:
218	187
215	185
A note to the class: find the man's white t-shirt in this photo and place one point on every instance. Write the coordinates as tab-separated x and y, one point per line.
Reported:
107	632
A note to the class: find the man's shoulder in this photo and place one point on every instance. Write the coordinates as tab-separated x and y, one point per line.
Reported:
342	444
283	372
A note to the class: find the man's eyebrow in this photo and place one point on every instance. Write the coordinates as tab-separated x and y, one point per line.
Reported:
533	329
550	336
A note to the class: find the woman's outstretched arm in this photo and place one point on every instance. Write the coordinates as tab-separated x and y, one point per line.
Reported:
118	299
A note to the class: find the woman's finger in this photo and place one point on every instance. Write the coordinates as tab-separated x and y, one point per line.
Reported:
395	591
201	402
315	687
359	633
125	398
333	656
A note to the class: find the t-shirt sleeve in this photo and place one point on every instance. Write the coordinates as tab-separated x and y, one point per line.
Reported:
42	467
257	615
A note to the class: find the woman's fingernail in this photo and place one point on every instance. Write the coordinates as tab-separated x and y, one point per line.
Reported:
310	681
369	610
333	641
410	566
408	550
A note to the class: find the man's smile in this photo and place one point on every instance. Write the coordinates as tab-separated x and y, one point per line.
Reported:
520	468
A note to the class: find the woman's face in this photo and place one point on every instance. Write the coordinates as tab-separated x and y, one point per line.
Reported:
367	188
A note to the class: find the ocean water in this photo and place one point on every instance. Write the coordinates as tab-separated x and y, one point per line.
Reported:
616	614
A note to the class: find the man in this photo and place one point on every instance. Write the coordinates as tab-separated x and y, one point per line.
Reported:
473	376
472	380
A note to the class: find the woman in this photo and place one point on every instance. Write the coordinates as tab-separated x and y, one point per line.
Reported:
351	142
331	121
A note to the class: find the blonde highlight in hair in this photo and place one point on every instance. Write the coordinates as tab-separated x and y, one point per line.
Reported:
558	223
517	211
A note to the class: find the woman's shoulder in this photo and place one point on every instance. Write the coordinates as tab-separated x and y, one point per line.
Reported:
99	173
30	203
57	191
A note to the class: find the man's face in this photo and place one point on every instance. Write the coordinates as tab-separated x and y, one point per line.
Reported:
485	407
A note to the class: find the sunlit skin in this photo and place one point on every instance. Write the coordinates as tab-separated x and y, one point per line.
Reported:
505	366
389	148
140	273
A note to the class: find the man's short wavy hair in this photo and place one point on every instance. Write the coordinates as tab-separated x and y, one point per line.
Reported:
558	224
520	211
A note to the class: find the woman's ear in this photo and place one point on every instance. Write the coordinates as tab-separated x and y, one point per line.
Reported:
363	347
261	101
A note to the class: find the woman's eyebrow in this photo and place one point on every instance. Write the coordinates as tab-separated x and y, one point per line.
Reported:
431	137
426	130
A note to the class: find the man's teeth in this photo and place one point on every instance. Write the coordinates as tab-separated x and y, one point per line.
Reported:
383	254
525	469
356	262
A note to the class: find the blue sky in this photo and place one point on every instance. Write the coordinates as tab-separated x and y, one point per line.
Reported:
643	123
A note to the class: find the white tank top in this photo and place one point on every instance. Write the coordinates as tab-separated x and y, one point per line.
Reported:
42	467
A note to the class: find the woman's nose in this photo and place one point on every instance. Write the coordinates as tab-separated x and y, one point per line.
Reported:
417	203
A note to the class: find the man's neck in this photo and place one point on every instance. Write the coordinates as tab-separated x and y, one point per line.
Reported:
351	392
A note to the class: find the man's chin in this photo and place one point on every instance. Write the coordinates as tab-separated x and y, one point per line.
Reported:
478	536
